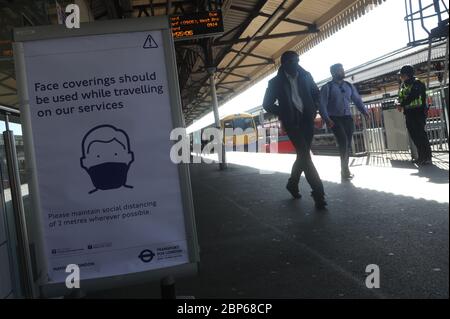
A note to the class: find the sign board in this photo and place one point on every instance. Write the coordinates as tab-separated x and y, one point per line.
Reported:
196	25
99	105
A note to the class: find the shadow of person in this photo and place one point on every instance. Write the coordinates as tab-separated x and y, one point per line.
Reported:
402	164
433	173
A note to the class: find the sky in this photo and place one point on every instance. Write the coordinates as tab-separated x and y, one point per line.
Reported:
380	31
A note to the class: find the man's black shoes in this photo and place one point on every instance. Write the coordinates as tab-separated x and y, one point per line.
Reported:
293	189
424	162
319	201
347	176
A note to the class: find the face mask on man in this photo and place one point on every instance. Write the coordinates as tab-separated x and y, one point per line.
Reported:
339	74
289	63
109	175
291	68
106	157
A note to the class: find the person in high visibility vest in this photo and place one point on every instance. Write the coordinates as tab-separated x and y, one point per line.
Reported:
412	100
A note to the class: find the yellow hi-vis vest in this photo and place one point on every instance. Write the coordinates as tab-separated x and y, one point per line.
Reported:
405	90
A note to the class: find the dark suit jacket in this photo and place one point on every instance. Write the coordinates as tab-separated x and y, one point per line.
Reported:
279	90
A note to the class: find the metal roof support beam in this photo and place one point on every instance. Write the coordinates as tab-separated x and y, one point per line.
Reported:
258	8
233	82
163	4
5	78
266	15
249	20
142	9
252	55
126	8
247	66
7	94
229	32
195	86
152	8
8	87
111	9
237	60
5	71
244	9
265	37
238	32
32	11
235	74
202	71
302	23
180	7
243	26
198	53
225	88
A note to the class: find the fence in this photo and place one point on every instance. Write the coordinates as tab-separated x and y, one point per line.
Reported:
385	130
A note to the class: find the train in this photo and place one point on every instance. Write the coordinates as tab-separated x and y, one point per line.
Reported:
258	131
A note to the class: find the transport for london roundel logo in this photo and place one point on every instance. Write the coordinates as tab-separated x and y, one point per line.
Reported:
146	255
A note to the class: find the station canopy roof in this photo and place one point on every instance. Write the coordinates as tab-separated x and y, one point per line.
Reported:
256	33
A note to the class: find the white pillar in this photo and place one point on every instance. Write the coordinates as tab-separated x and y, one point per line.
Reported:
215	106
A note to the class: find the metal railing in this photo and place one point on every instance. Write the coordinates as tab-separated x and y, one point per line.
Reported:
380	134
437	125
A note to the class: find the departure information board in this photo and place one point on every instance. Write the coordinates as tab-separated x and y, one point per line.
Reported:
196	25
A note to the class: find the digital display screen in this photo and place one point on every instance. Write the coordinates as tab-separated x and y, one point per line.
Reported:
195	25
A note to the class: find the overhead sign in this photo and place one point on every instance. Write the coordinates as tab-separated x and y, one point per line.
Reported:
196	25
101	109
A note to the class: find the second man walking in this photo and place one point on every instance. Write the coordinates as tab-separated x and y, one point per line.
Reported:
336	97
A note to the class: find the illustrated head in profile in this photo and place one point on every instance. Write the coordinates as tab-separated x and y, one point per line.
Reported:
106	157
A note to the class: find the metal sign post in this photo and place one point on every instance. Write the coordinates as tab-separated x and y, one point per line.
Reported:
22	249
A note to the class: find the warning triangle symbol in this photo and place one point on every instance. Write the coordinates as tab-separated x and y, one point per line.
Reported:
150	43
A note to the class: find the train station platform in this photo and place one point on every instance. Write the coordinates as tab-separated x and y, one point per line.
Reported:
258	242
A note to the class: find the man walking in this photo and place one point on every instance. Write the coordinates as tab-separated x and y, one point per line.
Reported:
413	101
336	97
298	100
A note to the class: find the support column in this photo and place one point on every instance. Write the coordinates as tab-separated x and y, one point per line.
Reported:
215	106
169	7
86	14
443	85
23	248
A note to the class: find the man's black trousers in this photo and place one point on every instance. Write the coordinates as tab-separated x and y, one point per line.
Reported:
343	131
301	138
415	123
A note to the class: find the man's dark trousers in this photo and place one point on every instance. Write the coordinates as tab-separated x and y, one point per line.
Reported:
415	123
301	138
343	131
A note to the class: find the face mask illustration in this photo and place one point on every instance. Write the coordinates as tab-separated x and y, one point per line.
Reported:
106	157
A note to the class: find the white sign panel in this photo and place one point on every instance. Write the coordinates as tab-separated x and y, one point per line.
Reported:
100	120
